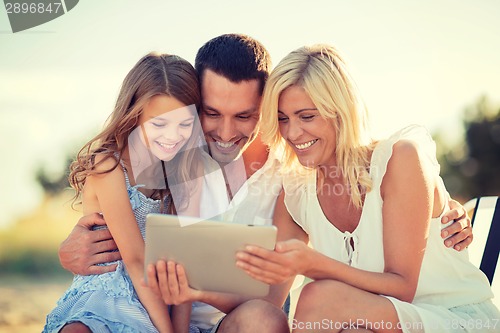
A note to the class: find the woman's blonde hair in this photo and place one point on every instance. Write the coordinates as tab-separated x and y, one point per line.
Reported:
322	73
154	74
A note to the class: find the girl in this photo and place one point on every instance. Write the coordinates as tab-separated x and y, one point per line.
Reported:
371	211
149	143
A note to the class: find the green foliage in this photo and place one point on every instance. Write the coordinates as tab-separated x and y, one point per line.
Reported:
28	248
53	184
31	262
472	167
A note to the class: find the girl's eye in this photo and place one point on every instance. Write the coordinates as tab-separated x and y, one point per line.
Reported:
186	125
282	119
158	125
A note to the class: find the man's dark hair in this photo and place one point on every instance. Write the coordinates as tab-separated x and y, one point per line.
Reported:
236	57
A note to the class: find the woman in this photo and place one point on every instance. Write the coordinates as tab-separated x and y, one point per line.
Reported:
371	211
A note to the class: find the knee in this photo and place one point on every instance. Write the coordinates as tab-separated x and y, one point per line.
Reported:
76	327
258	308
314	294
255	316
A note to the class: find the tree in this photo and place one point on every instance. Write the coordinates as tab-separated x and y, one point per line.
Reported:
53	184
472	167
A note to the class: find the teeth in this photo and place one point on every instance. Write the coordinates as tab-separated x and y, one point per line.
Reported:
306	145
224	144
166	146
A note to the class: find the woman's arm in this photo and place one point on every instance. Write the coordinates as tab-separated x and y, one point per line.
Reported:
287	230
278	267
407	187
169	279
111	193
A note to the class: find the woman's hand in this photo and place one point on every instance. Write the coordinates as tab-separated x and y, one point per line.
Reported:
289	258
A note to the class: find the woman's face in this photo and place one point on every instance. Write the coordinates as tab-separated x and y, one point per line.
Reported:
310	135
166	125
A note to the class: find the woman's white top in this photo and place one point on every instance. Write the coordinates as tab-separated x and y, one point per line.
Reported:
447	278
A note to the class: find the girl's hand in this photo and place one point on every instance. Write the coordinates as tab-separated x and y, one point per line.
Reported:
289	258
169	281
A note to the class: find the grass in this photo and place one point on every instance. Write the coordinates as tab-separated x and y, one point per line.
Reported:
31	278
29	247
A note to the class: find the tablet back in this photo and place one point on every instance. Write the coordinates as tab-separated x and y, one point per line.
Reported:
207	250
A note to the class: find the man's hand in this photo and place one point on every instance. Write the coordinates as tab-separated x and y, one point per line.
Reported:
85	248
169	281
459	233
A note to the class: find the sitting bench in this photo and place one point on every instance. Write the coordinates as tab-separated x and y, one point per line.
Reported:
485	247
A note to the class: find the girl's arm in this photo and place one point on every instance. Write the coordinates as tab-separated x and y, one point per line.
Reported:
111	193
410	196
169	281
181	316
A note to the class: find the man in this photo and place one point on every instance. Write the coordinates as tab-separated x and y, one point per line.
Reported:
233	70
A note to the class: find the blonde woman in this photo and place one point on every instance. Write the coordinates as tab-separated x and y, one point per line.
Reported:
371	211
149	143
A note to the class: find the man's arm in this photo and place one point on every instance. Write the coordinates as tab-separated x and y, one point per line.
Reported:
458	234
85	248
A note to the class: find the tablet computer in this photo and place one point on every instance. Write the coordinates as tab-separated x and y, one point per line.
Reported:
207	250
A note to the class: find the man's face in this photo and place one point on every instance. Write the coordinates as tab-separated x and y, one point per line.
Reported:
230	112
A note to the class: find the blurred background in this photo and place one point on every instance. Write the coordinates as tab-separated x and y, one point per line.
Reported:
435	63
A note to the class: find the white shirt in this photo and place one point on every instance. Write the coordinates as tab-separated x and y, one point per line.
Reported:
253	203
447	279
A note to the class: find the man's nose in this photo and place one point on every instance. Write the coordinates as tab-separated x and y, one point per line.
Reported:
226	130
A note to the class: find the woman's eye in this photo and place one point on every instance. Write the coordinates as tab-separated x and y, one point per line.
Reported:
307	117
282	119
186	125
158	125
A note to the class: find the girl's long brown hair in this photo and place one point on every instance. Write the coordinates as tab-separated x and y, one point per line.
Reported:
154	74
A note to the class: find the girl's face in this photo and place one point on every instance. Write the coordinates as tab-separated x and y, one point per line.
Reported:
166	125
310	135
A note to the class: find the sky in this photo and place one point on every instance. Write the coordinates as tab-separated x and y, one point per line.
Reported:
415	61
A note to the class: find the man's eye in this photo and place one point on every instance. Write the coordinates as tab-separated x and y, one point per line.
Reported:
244	117
211	114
